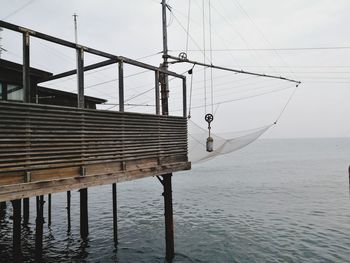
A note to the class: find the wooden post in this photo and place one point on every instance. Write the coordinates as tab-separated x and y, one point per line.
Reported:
68	211
49	211
115	214
39	227
84	225
121	85
16	228
26	63
168	200
157	92
27	98
25	211
2	210
168	215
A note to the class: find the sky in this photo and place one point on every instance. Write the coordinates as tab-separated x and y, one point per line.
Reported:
303	40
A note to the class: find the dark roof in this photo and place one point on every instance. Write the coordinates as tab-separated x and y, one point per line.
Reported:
41	74
34	72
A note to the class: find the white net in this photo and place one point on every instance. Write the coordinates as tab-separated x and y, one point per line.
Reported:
224	144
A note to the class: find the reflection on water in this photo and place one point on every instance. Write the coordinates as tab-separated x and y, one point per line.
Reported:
276	201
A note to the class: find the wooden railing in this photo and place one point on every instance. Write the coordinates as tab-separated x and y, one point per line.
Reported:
40	137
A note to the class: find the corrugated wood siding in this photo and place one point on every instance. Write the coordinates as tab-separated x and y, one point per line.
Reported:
34	137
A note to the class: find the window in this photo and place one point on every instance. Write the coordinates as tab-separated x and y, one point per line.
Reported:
15	92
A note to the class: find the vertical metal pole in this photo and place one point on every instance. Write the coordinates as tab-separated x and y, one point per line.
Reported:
39	227
157	92
168	214
25	211
49	211
16	228
26	65
121	85
184	98
68	211
115	214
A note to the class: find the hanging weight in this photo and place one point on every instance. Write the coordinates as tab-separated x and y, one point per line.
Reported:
210	141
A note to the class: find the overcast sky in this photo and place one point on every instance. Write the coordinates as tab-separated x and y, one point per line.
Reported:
319	108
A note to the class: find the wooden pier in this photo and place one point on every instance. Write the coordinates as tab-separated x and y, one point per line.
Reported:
46	149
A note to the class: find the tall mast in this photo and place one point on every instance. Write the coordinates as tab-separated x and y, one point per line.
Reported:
164	65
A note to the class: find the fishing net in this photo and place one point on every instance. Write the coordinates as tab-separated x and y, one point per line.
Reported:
223	144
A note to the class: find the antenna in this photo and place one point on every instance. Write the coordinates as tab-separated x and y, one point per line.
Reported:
75	28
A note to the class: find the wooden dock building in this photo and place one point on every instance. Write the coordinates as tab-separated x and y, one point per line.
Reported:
53	141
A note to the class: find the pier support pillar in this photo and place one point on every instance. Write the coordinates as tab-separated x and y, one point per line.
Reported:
115	214
25	211
68	211
168	215
39	227
2	209
16	228
84	219
49	210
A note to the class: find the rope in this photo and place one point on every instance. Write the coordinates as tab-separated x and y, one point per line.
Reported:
190	100
204	56
287	103
211	61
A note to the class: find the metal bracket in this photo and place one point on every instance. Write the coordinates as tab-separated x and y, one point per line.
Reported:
82	171
28	177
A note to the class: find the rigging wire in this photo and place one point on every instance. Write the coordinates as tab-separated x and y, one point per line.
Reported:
211	61
204	56
18	9
188	24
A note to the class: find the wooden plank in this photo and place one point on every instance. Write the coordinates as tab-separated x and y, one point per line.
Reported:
26	190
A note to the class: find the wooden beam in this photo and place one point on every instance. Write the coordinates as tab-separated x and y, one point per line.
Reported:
19	191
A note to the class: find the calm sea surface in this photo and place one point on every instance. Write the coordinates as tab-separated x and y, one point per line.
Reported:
274	201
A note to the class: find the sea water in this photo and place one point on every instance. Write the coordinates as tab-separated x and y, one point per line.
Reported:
274	201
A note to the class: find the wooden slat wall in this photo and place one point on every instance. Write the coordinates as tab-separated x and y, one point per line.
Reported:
35	137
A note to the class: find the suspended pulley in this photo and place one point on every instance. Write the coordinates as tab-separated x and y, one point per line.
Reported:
210	142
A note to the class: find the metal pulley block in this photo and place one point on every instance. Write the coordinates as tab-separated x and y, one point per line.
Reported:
210	141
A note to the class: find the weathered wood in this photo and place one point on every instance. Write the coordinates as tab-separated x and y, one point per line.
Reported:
39	222
55	140
25	211
168	216
10	192
49	210
115	213
68	211
16	228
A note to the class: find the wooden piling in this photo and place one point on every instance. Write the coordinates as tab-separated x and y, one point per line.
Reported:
68	211
25	211
49	210
168	215
39	227
2	210
16	228
84	226
115	214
